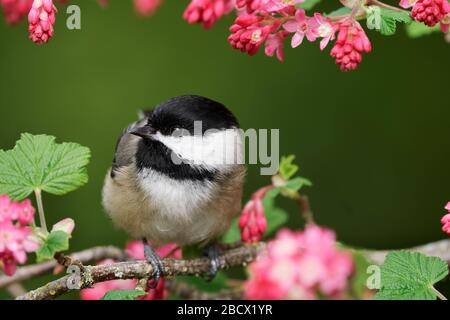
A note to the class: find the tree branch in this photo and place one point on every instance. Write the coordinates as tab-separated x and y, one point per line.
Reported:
232	256
85	256
140	269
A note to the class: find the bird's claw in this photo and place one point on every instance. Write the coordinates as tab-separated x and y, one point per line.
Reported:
157	265
212	252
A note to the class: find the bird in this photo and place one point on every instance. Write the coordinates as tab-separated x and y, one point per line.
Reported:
177	177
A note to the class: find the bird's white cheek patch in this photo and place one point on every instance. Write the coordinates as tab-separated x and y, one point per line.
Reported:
212	150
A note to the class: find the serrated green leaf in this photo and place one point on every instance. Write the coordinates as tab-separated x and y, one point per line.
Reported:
57	241
37	162
385	20
287	168
416	29
339	12
297	183
410	276
399	16
308	4
123	294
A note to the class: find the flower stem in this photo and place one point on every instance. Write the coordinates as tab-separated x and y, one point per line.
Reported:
439	295
38	195
384	5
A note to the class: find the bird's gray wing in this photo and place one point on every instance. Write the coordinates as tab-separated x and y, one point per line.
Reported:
126	145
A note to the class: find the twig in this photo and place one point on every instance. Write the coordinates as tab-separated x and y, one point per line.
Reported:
140	269
439	249
85	256
384	5
16	289
305	208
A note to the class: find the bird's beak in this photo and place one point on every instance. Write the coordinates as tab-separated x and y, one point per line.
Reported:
145	132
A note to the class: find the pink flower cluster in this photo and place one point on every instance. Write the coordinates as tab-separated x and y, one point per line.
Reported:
135	250
207	12
300	265
15	233
272	21
253	222
446	220
350	44
41	19
15	10
430	12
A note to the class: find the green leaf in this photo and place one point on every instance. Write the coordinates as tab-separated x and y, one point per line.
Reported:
339	12
123	294
297	183
358	281
56	241
37	162
385	20
410	276
218	283
233	234
276	217
287	168
308	4
416	29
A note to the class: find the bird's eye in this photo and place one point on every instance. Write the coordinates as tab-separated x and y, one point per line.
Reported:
179	132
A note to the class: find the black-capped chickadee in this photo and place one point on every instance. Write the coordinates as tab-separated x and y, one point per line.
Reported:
177	176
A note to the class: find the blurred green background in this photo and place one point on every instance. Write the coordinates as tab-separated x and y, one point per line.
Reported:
375	142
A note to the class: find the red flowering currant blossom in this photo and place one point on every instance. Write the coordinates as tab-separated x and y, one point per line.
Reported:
207	12
278	5
325	29
407	3
15	10
300	265
446	220
15	234
146	7
250	6
275	44
253	222
41	20
445	23
430	12
248	33
302	26
350	44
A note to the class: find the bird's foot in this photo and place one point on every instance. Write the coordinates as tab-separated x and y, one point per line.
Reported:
156	262
212	252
